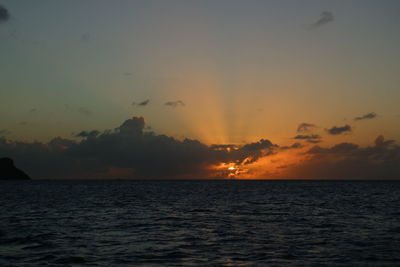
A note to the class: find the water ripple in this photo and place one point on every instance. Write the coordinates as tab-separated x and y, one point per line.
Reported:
199	223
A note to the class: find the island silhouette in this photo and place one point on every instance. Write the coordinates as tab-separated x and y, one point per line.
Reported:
8	171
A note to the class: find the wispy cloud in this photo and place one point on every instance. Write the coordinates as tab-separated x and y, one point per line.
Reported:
305	127
324	18
141	104
85	111
174	104
366	116
307	137
312	138
336	130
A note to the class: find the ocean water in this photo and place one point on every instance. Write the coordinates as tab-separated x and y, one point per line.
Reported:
199	223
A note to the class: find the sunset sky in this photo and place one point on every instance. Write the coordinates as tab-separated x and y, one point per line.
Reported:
263	89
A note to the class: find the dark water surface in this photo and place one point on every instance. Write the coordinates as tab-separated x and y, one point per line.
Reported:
204	223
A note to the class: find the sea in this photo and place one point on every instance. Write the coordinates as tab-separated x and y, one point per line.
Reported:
199	223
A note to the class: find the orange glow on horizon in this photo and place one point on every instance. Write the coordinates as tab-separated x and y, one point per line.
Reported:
274	166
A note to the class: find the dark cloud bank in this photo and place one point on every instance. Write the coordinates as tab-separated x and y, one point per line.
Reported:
126	152
130	152
349	161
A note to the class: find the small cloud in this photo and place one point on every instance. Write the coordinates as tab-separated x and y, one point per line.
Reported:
4	14
366	116
336	130
32	110
87	134
144	103
307	137
85	111
127	74
23	123
305	127
174	104
4	132
324	18
141	104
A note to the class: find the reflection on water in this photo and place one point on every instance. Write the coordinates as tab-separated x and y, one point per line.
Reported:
207	223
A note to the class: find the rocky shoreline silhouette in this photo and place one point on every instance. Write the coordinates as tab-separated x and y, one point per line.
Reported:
8	171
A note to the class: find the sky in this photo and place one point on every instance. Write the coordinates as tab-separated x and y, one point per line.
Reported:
230	89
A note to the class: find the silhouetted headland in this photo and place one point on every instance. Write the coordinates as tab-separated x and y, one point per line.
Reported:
9	172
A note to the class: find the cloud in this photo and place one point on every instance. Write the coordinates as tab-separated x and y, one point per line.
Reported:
251	152
174	104
85	111
336	130
33	110
349	161
324	18
293	146
314	141
87	134
305	127
132	126
380	142
4	14
312	138
144	103
336	149
366	116
141	104
307	137
129	152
